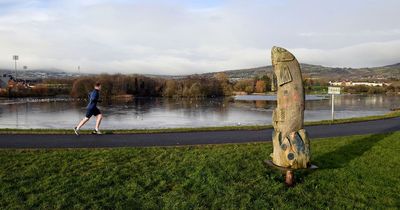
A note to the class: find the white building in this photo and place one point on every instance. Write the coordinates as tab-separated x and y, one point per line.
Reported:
350	83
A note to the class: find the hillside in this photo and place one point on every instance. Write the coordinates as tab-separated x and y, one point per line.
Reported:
318	71
309	70
41	74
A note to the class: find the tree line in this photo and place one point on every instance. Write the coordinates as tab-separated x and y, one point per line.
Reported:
194	86
118	84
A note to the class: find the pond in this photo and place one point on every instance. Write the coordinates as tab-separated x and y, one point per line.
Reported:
143	113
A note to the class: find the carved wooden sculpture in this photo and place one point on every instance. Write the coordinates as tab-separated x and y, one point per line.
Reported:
291	146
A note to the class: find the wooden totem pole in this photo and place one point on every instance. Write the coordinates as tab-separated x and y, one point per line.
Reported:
291	145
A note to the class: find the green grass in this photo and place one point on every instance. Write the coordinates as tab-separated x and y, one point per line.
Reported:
359	172
316	89
199	129
391	114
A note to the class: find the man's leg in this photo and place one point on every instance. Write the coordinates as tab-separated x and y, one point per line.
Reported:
99	117
82	122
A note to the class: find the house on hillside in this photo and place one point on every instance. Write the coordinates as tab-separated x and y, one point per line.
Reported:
350	83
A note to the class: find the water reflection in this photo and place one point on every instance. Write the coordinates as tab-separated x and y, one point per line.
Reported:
169	113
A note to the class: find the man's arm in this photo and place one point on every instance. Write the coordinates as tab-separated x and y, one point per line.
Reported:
94	96
97	96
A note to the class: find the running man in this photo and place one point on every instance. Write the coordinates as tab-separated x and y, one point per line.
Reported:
92	110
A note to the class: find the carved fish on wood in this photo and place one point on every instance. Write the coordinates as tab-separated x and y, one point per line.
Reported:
291	146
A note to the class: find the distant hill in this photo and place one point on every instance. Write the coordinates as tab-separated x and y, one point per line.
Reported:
41	74
318	71
309	70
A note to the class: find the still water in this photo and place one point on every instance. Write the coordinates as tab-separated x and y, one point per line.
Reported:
144	113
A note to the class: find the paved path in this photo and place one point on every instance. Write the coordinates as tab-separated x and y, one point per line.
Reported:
191	138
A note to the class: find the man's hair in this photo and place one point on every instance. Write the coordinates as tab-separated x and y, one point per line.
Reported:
97	84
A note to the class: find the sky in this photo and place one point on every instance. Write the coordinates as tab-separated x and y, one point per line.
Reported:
177	37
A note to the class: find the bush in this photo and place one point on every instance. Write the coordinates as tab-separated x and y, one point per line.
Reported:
245	85
81	87
260	87
193	87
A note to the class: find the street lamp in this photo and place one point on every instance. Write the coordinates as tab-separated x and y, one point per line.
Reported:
15	58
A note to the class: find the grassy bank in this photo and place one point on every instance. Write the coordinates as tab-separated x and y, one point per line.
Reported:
355	172
170	130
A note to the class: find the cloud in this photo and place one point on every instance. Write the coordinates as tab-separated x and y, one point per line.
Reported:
185	37
362	55
391	32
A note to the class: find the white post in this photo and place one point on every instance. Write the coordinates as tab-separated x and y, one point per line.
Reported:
333	106
16	74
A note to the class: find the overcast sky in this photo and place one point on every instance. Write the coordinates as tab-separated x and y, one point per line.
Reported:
185	37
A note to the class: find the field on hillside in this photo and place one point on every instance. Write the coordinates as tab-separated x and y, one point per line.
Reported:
355	172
